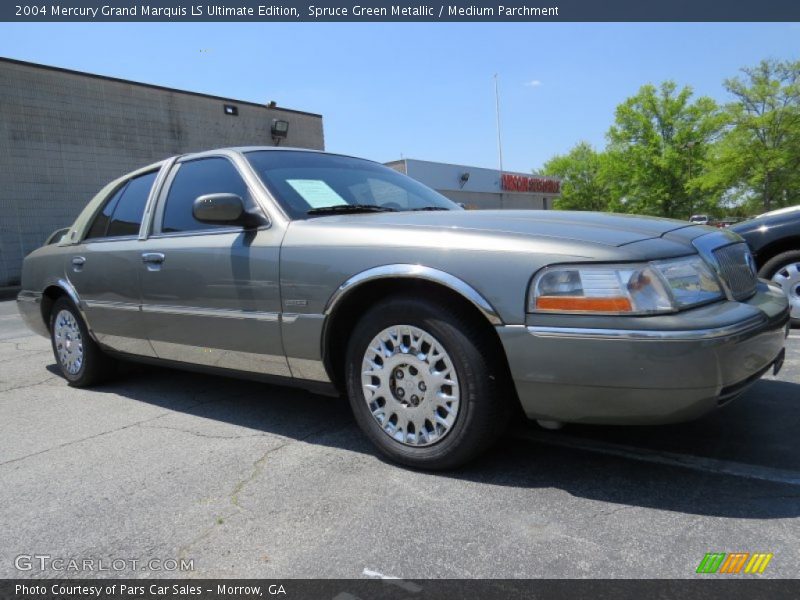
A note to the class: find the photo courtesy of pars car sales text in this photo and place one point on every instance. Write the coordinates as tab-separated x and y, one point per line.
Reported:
399	301
153	590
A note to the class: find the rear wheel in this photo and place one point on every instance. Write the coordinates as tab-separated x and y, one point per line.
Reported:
424	384
784	269
79	358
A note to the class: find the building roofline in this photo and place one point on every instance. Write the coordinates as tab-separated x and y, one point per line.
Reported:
153	86
448	164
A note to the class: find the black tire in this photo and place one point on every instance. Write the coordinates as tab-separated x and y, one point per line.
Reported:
95	366
775	264
484	405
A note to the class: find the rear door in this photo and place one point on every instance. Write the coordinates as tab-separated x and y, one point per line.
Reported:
105	267
210	293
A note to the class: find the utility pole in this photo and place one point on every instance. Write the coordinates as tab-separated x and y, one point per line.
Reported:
497	110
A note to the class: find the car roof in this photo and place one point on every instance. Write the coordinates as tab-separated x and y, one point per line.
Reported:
245	149
780	211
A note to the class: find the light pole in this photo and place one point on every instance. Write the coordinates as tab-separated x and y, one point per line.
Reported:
497	111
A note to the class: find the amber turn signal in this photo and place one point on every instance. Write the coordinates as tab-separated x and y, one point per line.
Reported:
584	304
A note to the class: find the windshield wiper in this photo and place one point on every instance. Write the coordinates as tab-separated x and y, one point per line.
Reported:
348	208
430	208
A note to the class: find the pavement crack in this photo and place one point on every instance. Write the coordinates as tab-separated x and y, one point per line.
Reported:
103	433
256	470
608	513
204	435
25	354
259	463
29	385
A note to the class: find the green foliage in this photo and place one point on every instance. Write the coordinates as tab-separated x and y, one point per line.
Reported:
670	154
760	152
659	143
583	179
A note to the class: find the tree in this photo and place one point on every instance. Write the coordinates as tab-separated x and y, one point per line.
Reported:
760	152
658	147
583	181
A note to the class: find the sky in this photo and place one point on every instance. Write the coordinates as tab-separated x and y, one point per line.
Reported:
425	91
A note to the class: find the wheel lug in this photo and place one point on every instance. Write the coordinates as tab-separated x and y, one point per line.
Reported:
401	392
422	386
398	374
414	400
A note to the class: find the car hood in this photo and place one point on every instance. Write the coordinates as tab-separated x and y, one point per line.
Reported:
595	228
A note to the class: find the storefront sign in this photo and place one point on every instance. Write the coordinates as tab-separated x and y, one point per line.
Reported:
523	183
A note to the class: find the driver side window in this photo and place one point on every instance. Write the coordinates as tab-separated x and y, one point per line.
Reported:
197	178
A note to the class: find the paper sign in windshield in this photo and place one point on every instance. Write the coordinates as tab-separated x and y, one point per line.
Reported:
316	192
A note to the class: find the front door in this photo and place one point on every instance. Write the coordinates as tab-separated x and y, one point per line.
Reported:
104	268
210	293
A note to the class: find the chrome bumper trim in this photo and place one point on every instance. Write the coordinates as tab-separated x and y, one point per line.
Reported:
28	296
649	335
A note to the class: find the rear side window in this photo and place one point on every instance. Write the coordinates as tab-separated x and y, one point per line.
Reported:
197	178
122	214
103	218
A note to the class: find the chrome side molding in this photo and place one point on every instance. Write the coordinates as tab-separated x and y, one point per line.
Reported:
225	313
265	364
649	335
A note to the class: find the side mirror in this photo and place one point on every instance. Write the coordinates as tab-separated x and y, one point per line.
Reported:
227	209
219	209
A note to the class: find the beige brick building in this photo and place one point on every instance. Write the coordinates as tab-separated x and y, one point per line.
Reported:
64	134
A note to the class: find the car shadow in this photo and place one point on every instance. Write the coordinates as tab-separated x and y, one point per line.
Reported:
758	429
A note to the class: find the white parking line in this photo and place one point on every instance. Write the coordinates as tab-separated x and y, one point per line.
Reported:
672	459
409	586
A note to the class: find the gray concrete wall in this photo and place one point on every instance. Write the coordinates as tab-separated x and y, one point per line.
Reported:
506	200
482	190
63	135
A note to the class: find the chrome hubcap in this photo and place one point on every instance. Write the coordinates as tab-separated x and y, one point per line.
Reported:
410	385
788	277
69	342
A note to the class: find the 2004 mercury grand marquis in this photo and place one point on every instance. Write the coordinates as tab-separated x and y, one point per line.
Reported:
340	273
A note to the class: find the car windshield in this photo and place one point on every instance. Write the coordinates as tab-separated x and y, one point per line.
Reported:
311	184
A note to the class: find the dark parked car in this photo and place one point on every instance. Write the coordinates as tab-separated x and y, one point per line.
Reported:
774	239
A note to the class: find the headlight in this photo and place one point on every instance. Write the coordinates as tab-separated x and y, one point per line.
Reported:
690	281
640	289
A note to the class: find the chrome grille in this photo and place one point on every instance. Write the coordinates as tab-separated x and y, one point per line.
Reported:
737	268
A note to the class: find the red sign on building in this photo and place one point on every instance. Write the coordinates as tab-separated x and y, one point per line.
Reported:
523	183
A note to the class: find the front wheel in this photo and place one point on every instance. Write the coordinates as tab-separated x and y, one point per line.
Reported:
79	358
784	269
425	383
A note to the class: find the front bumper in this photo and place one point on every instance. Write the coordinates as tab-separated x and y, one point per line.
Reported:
654	370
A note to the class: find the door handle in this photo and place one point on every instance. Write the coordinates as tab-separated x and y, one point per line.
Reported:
153	257
153	260
77	263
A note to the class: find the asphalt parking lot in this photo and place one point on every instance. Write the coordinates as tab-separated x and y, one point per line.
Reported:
251	480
